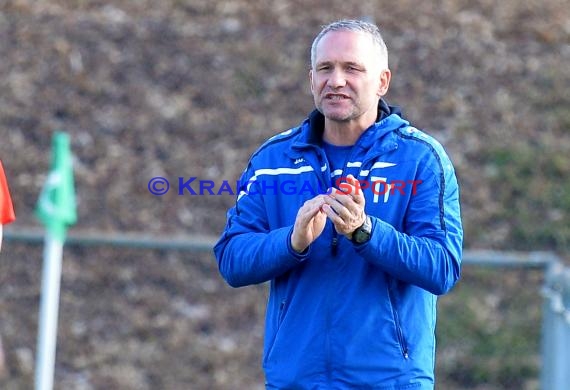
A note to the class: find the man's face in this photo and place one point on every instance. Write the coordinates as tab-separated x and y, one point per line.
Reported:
347	80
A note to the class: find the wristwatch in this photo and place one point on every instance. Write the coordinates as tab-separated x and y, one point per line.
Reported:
362	234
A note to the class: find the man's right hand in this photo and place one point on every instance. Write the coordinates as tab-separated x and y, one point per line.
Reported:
309	224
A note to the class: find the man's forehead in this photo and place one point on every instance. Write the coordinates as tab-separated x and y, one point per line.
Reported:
345	39
347	34
344	46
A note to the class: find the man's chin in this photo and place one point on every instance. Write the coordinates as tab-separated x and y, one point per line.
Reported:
337	116
336	113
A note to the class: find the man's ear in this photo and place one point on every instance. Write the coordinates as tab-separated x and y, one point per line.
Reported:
311	79
385	77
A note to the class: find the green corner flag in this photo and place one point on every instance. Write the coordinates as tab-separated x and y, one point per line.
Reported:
56	207
56	210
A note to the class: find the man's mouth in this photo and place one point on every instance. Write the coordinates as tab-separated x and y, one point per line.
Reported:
336	96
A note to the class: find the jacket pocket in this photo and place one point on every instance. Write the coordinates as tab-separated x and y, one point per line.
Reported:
392	295
280	316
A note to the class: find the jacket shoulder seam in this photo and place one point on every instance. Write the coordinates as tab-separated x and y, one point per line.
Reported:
433	150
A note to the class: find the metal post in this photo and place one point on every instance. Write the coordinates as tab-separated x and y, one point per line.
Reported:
555	374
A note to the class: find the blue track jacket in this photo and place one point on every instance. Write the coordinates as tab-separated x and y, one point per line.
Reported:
341	315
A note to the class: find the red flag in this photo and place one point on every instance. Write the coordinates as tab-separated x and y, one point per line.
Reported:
7	214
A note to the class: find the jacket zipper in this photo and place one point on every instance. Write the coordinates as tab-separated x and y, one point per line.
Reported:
334	243
401	339
399	332
334	239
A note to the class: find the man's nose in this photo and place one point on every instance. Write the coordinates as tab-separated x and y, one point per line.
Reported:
337	79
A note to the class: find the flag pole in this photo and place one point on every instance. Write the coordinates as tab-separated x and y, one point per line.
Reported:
49	306
56	210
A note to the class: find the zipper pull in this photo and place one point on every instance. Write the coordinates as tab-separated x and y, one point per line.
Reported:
334	243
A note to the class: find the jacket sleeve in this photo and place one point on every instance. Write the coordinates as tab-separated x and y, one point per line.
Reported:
248	252
427	253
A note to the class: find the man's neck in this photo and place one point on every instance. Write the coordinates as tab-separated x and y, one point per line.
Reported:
343	133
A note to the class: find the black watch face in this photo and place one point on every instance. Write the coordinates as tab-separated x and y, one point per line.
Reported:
361	236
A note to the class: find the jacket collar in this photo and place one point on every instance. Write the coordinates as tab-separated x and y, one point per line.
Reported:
389	119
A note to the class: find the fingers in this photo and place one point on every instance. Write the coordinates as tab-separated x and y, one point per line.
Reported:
349	196
344	221
353	188
309	224
343	203
345	206
310	208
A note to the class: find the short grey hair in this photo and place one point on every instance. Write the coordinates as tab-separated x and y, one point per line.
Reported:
355	26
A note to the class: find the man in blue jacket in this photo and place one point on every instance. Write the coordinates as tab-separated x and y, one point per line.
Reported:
353	217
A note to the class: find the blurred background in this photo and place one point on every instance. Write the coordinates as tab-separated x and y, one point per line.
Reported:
190	88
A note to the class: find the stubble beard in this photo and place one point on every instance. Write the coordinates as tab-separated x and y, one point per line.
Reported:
336	115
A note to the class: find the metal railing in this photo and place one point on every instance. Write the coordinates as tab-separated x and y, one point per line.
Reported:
555	372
